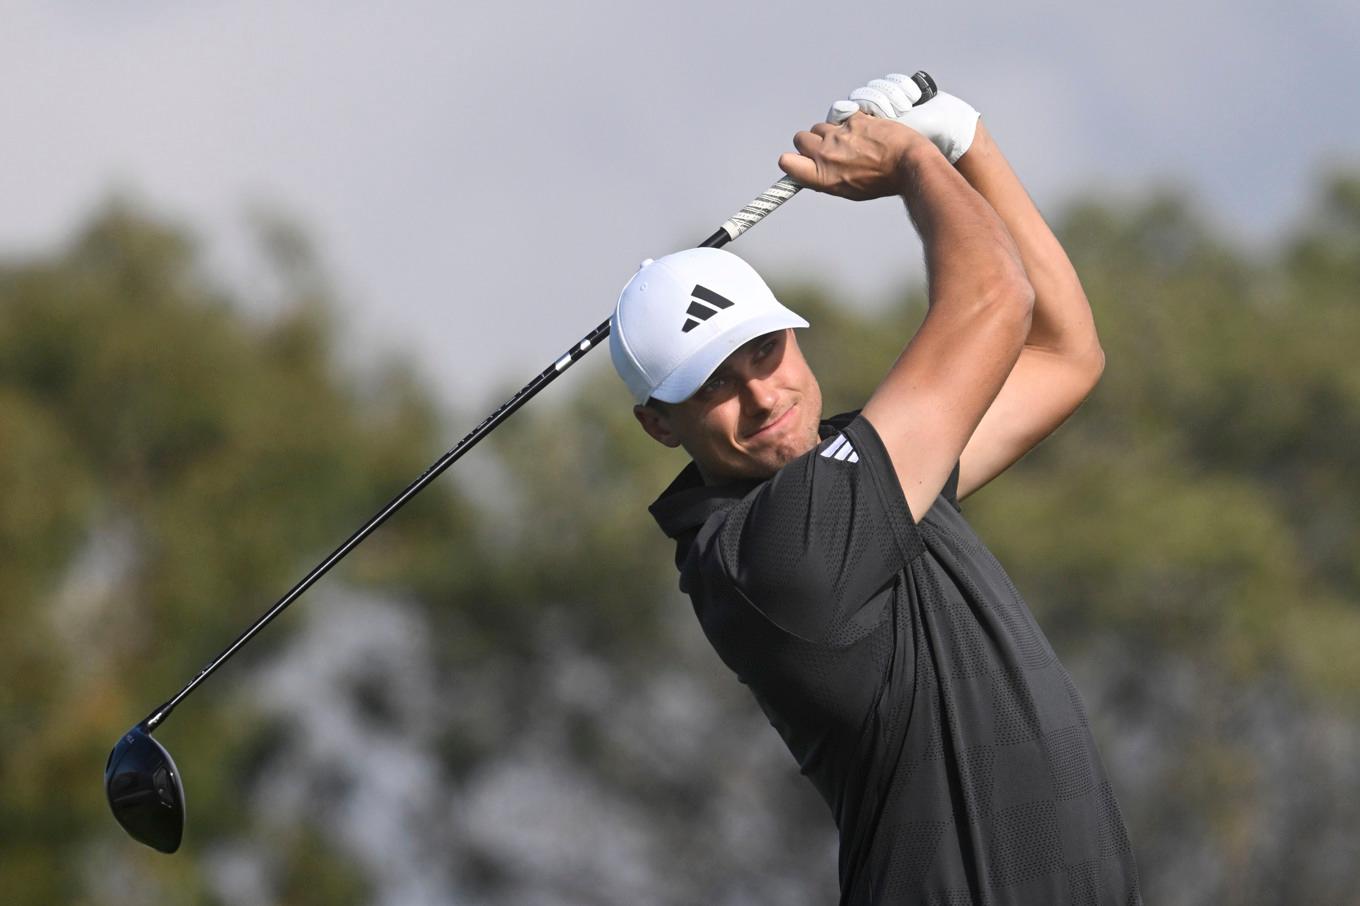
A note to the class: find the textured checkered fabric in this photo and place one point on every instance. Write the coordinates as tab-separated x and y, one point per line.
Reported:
907	677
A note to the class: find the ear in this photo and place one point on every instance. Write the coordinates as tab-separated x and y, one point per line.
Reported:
656	424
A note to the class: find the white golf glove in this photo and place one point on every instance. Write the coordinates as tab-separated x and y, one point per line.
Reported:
944	119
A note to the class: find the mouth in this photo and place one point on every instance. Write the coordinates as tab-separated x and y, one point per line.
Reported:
764	430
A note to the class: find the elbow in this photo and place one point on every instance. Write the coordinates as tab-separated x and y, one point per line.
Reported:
1087	367
1097	362
1095	367
1091	359
1023	293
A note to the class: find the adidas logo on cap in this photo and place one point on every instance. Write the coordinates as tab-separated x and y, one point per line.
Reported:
703	312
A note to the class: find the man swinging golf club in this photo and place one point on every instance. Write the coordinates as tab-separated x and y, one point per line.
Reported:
828	561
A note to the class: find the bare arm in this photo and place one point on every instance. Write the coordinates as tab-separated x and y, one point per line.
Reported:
1061	359
935	394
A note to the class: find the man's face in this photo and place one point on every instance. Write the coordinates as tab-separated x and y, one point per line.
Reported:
757	412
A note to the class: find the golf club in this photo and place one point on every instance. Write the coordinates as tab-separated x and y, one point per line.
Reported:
141	781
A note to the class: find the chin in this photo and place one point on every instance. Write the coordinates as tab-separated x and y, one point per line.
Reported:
762	462
758	467
775	459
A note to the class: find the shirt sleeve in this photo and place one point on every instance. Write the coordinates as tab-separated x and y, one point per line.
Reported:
817	542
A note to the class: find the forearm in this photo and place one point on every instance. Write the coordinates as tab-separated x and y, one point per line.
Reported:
971	256
1062	321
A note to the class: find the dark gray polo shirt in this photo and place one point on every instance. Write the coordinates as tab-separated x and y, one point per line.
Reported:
907	677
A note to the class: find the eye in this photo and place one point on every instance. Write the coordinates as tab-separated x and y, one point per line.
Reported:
714	384
766	347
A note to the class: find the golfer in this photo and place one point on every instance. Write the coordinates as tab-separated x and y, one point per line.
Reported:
829	562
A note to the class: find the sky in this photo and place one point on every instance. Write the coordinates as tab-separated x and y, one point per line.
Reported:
481	179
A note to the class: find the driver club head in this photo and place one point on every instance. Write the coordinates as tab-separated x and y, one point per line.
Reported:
144	790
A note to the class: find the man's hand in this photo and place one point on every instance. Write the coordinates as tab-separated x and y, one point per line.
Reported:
948	122
860	159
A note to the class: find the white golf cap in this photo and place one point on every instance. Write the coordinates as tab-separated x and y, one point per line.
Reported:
682	315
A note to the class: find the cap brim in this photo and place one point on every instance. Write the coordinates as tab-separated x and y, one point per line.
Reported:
685	380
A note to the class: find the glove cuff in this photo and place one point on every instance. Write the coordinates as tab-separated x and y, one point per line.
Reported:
961	138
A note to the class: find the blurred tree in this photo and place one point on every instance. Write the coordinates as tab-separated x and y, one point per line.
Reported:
169	467
514	704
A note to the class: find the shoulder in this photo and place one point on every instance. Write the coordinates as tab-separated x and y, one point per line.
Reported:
827	530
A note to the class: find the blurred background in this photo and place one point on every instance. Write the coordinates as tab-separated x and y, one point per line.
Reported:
261	264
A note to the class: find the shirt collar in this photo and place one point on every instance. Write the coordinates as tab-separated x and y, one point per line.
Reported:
687	502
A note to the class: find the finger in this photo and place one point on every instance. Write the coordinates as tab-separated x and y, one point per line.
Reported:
873	102
807	142
825	129
901	103
907	84
800	169
841	111
857	118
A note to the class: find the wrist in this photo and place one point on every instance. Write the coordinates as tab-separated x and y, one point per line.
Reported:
918	155
980	151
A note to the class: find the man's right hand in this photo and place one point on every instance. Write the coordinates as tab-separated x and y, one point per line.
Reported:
864	157
950	123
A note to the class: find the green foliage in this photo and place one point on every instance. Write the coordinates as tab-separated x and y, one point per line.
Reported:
315	875
169	469
581	473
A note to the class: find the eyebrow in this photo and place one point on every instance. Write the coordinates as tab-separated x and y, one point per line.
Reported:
755	341
747	348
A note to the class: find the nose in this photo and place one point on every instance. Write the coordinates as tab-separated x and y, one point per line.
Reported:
758	395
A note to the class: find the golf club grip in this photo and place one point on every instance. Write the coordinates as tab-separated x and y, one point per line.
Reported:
766	202
758	209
